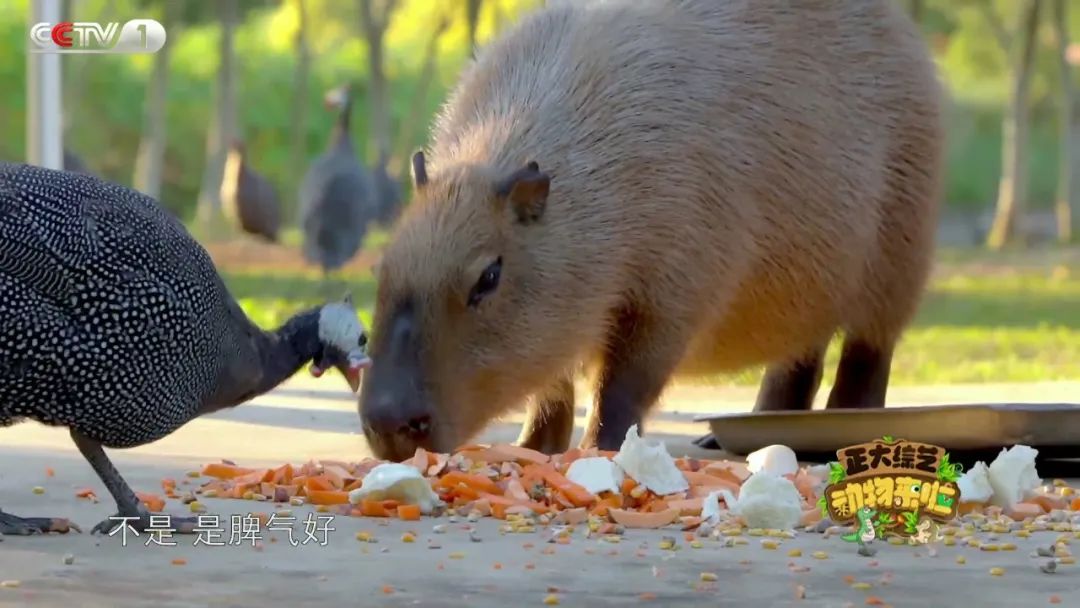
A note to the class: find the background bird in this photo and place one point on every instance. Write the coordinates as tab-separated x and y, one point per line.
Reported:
337	195
115	324
249	201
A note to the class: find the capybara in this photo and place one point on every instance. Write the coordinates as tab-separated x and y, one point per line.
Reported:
644	189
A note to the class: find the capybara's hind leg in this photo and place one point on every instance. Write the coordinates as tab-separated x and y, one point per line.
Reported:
791	385
640	359
862	376
549	422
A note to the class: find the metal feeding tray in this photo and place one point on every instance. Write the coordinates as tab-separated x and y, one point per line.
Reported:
1052	428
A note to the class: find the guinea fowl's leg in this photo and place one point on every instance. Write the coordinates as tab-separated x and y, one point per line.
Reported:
127	504
22	526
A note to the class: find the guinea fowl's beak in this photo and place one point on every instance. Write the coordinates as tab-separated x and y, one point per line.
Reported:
353	369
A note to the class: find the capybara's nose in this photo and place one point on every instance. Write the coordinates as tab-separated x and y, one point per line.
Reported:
417	428
387	418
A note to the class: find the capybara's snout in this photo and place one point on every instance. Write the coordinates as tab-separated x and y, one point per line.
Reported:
394	409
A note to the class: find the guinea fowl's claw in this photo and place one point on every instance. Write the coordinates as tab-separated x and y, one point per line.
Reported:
25	526
143	523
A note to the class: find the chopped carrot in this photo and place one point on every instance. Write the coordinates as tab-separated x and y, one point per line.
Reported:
50	472
408	512
373	508
574	493
874	600
179	561
633	519
608	502
628	486
152	501
353	485
317	483
471	480
254	477
224	471
168	484
328	497
337	476
85	493
687	506
1075	504
283	474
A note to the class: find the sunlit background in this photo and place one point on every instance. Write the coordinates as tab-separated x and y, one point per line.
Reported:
1004	306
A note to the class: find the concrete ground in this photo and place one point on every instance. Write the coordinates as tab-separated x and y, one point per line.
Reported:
305	419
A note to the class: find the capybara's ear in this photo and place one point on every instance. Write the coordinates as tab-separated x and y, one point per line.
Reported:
419	170
526	190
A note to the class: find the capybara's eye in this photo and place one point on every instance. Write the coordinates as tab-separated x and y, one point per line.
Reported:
362	341
488	281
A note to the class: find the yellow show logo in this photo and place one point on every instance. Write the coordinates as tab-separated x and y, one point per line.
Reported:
892	487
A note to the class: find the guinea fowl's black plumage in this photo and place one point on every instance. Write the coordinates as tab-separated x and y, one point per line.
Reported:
389	194
115	323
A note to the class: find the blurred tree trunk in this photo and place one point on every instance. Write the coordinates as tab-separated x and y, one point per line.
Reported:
222	124
416	110
1063	204
472	16
374	19
150	159
300	88
1012	188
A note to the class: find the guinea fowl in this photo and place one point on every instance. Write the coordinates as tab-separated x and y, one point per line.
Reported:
388	193
248	199
336	195
115	324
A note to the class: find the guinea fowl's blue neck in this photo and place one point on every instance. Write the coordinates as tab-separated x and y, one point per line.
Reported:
340	137
288	348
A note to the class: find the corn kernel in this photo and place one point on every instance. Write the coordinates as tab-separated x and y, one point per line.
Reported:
997	571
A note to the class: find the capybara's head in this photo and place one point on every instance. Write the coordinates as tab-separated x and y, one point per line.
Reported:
458	312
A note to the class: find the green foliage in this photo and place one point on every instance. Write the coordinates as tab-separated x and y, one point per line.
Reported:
911	520
836	472
882	523
949	471
823	505
888	439
106	123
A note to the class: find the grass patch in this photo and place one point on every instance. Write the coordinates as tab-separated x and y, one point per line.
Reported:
998	323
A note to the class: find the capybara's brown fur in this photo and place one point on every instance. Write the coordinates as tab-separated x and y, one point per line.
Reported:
652	188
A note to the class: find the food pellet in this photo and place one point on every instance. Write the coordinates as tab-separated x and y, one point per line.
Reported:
896	540
997	571
196	507
551	600
38	490
861	585
769	544
794	553
960	559
820	555
1008	547
457	555
10	584
408	538
709	577
988	547
364	537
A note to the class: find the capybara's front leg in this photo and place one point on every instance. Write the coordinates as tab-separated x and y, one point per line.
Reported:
791	385
549	422
862	377
640	359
